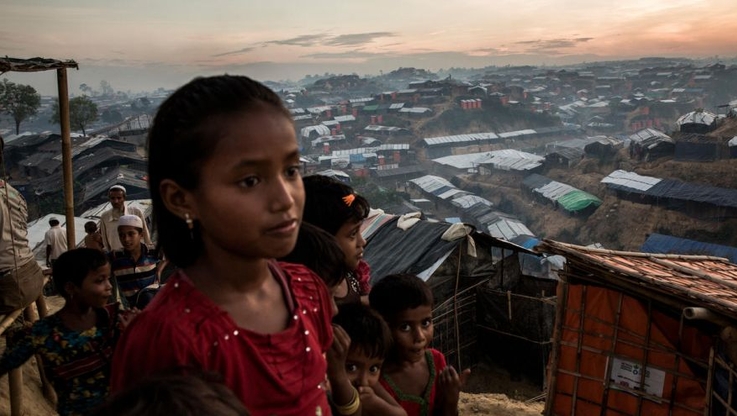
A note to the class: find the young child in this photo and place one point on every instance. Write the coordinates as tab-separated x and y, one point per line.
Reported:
227	195
134	266
414	374
370	343
333	206
76	342
319	251
93	239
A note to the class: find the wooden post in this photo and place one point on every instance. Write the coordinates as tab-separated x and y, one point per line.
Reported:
15	381
66	154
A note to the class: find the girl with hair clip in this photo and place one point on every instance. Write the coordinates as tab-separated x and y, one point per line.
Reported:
333	206
227	196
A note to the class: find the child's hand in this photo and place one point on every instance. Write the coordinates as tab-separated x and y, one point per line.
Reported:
368	397
338	352
127	316
449	388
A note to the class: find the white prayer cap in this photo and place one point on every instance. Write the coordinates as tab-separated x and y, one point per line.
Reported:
131	221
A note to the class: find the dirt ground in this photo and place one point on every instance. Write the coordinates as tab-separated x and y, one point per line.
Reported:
489	391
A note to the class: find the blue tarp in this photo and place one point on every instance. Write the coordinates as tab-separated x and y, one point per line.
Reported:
666	244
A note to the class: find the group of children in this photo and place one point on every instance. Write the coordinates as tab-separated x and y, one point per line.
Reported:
305	335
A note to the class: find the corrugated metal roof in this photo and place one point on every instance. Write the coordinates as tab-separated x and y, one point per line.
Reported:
649	134
416	110
430	183
510	159
452	193
343	119
466	161
508	229
554	190
363	150
630	180
467	201
376	127
517	133
697	117
700	281
396	106
459	138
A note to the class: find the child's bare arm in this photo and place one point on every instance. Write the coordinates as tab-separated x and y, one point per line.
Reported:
343	392
449	389
376	401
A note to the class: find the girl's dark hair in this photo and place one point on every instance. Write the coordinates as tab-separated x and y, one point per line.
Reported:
184	134
398	292
74	265
175	394
367	329
320	252
325	207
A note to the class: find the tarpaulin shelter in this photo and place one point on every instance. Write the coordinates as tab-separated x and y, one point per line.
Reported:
643	334
453	259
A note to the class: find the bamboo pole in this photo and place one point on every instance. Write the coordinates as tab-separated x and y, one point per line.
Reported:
645	359
557	335
8	319
455	308
66	153
612	351
15	382
579	349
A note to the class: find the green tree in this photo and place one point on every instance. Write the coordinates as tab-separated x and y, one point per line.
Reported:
20	101
82	112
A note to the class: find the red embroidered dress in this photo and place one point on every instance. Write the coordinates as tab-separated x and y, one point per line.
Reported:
418	405
278	373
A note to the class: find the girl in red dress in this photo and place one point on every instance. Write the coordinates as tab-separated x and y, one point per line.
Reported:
227	195
414	374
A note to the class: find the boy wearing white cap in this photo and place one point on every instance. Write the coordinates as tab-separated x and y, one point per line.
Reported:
109	219
134	266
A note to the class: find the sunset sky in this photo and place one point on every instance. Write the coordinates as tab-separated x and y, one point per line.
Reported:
139	45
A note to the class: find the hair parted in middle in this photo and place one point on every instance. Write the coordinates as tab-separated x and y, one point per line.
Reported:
184	134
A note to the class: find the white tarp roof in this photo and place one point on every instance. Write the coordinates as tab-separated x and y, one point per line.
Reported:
732	141
320	129
631	180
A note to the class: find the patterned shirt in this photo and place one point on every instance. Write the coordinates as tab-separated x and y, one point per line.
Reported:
76	363
132	275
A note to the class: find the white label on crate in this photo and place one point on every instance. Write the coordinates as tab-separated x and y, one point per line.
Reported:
628	374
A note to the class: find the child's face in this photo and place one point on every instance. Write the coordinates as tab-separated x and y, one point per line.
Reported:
95	289
129	236
249	199
412	331
361	369
351	242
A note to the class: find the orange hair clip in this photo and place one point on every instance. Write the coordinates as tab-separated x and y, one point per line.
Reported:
348	199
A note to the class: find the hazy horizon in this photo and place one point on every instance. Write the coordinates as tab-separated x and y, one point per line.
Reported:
139	46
